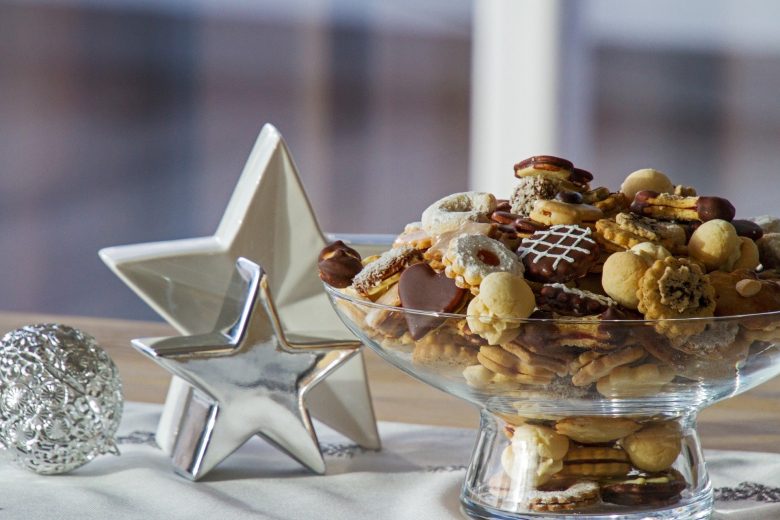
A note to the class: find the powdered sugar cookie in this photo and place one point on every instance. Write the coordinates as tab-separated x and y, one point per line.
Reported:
470	258
451	212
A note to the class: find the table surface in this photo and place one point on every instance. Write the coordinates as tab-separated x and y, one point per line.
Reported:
750	421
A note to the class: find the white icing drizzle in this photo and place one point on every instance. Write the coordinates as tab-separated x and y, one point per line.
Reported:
561	232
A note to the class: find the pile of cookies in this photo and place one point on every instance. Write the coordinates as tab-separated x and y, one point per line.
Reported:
578	258
575	462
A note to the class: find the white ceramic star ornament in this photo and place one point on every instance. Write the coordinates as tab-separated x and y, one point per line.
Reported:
249	379
269	221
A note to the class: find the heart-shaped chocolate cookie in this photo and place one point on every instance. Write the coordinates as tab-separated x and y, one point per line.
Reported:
421	288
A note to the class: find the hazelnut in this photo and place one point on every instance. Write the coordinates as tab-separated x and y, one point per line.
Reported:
748	287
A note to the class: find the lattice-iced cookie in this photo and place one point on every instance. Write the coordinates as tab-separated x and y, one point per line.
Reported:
676	288
559	254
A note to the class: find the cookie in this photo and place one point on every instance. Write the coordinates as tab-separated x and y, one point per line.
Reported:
714	342
559	254
621	275
743	292
414	236
748	229
389	323
503	299
699	368
569	497
501	361
470	258
715	244
536	361
378	275
483	379
535	453
556	212
676	288
578	332
451	212
338	264
650	252
613	204
423	289
646	179
635	381
504	364
769	250
569	301
596	430
655	447
544	166
444	348
591	366
518	225
434	255
595	462
684	191
749	256
628	230
530	189
767	223
647	490
664	206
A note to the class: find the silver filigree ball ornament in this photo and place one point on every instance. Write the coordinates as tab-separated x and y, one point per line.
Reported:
60	398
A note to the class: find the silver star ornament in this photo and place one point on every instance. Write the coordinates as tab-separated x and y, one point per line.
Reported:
250	378
270	222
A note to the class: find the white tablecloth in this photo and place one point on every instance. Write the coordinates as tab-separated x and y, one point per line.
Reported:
418	474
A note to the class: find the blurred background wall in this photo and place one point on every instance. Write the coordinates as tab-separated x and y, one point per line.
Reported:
125	121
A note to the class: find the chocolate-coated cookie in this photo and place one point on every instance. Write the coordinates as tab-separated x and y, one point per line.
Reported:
660	489
423	289
338	264
568	301
559	254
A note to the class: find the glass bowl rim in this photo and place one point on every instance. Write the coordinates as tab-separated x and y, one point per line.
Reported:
573	320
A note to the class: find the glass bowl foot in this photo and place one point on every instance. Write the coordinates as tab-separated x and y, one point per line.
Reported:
587	467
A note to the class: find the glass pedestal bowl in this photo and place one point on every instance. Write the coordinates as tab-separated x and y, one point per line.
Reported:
580	418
